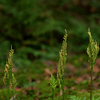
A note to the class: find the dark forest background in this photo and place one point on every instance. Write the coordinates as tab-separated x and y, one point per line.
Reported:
35	28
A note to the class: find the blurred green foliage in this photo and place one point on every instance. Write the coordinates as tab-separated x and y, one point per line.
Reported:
35	27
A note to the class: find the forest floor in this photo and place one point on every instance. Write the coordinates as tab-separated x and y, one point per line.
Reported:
33	81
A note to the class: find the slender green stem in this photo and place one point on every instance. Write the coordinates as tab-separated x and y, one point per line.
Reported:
13	95
63	88
91	84
59	93
52	94
8	87
8	90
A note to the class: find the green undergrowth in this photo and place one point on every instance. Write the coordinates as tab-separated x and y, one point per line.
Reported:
48	95
3	94
22	77
96	94
61	85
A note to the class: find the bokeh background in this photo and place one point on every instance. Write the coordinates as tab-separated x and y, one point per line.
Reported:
35	29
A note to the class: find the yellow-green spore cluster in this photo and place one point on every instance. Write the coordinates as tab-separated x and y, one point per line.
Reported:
92	50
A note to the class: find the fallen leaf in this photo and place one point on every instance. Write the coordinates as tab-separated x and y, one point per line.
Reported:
65	87
83	90
70	68
86	76
96	69
18	89
38	81
96	84
78	80
60	92
47	71
73	87
14	69
47	78
97	61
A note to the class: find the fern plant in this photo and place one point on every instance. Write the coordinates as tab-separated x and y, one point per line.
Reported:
62	62
92	51
61	67
9	79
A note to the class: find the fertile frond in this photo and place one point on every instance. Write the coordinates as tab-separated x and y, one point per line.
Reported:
92	49
62	60
8	66
6	75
